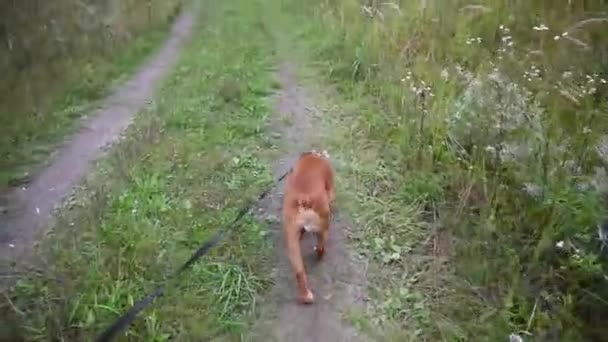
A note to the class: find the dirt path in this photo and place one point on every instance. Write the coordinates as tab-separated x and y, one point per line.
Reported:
336	281
31	207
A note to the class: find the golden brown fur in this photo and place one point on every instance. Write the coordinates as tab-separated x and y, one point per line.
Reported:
309	195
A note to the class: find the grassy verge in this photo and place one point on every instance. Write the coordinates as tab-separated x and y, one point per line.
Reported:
189	163
27	138
470	146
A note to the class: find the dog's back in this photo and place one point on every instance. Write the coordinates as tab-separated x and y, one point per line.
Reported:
309	184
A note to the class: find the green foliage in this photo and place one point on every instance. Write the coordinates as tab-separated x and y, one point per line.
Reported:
59	57
478	139
187	165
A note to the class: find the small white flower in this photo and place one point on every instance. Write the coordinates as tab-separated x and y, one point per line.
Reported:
564	34
11	245
515	338
556	38
603	81
559	244
541	27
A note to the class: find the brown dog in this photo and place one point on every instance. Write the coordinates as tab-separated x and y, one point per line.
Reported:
309	195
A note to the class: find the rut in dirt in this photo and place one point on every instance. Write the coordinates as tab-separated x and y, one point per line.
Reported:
32	206
336	280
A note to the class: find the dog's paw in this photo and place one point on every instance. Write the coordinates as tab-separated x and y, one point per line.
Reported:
320	251
308	298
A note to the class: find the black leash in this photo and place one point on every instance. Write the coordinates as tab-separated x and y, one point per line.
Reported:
128	317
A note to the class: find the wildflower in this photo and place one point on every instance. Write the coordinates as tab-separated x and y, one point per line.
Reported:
603	81
515	338
556	38
541	27
559	244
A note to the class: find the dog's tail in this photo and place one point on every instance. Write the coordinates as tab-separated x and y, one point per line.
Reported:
304	202
306	217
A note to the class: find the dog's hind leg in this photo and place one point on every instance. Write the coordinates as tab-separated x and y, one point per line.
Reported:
305	296
322	237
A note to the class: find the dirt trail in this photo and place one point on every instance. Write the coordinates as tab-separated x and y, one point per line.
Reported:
31	207
336	280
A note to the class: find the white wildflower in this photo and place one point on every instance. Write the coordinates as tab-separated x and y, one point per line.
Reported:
559	244
515	338
541	27
556	38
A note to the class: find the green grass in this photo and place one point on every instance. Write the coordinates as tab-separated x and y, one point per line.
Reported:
462	246
28	137
189	163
